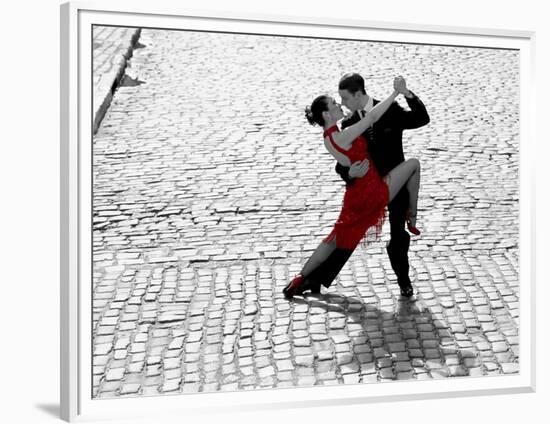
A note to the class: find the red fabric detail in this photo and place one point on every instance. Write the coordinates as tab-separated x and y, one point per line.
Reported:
328	133
365	201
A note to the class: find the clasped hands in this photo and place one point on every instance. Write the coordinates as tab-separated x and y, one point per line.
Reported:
400	85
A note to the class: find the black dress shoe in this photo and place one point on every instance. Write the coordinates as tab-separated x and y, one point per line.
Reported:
407	291
315	288
312	286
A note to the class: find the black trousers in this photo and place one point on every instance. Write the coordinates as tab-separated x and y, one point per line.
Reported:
397	248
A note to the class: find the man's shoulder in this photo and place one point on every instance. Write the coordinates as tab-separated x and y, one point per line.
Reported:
394	105
394	111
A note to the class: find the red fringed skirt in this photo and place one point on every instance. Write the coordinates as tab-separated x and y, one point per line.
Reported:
365	201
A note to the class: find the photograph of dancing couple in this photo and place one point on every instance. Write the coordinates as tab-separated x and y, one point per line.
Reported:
284	212
370	187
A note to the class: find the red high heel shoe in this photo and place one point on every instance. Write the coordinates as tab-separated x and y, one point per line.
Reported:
412	229
292	288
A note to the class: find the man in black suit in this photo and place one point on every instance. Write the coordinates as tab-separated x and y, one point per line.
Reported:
385	144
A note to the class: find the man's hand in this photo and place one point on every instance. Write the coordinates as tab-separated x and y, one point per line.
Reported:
359	169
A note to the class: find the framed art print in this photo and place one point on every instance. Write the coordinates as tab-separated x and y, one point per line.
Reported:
194	191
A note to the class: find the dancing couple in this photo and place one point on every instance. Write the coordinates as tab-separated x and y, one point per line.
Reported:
369	153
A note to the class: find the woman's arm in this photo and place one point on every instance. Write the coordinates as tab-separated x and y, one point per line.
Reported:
345	137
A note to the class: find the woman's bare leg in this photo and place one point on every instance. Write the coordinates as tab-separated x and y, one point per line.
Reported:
406	173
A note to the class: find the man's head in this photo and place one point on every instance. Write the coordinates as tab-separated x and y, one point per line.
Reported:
352	91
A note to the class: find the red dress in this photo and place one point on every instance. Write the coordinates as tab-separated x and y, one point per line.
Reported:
365	200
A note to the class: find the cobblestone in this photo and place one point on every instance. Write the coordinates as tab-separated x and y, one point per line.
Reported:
205	206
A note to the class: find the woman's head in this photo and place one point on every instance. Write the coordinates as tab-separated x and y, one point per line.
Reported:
323	110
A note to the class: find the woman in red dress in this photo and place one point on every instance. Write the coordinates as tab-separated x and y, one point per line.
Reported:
365	201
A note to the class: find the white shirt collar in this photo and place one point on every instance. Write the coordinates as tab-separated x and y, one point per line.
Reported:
367	108
369	105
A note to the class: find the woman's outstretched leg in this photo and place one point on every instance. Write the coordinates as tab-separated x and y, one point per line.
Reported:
320	255
406	173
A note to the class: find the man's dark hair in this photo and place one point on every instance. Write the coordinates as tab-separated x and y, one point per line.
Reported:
353	83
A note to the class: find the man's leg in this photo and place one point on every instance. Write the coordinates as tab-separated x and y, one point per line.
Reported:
398	247
326	272
302	281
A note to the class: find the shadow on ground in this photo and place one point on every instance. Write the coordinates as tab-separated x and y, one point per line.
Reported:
49	408
395	344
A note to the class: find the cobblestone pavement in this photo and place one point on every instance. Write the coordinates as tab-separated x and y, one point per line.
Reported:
210	192
112	47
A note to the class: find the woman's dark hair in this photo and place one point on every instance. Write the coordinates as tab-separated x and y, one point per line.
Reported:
314	113
353	83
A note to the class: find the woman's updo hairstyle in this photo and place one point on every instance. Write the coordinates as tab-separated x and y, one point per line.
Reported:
314	113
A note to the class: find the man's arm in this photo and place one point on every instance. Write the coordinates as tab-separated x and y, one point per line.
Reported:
416	117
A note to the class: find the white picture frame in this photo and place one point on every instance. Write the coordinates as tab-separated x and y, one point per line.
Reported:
76	20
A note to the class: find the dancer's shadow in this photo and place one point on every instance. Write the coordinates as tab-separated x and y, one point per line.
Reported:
401	343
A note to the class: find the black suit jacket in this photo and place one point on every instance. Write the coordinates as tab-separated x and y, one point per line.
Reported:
386	148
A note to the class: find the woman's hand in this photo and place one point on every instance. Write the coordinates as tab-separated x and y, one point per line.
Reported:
359	169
